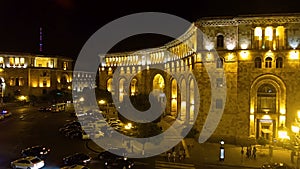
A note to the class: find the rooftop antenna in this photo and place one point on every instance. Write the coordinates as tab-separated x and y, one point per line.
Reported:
41	39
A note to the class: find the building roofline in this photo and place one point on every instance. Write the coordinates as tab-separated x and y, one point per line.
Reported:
35	54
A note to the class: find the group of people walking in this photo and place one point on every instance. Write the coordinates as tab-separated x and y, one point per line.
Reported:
173	155
250	153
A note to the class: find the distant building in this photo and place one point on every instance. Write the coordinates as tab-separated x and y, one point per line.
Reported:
259	56
25	74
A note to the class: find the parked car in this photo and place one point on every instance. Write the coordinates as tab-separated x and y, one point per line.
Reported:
112	153
276	166
119	163
75	166
28	162
39	151
77	158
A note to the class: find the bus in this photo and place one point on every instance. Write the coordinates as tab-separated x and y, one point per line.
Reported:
58	107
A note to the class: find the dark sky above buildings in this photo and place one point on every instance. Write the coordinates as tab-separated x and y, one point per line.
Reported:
67	24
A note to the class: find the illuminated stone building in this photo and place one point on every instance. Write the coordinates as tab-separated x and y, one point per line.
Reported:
31	74
260	59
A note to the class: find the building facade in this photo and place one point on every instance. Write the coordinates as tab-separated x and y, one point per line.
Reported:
255	58
32	74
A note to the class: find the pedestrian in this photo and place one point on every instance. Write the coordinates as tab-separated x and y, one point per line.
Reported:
169	156
254	153
184	155
242	154
247	152
180	155
174	156
250	152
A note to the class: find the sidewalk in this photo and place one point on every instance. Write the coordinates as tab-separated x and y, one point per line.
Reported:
208	153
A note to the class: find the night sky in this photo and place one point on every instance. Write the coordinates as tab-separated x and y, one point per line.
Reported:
67	24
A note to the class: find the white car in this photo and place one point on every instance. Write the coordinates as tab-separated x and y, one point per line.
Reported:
75	166
28	162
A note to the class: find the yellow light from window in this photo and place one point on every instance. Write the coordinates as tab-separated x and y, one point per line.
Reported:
269	33
294	55
258	32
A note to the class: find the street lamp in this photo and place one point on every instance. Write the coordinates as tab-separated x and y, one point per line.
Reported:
222	150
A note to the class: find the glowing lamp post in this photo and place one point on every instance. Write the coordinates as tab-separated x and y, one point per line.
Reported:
222	151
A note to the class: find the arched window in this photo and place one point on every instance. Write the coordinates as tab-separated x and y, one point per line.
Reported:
219	62
268	62
257	62
279	62
220	41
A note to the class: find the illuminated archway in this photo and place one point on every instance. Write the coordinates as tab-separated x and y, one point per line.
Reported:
109	86
183	100
267	88
192	101
158	83
174	97
133	87
121	89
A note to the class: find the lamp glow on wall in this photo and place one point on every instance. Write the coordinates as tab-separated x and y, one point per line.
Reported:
244	46
230	46
244	55
294	55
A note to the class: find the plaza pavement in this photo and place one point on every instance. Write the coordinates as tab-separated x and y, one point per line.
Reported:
208	153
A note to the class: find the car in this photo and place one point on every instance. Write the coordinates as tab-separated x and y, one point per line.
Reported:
28	162
119	163
275	165
5	113
74	134
112	153
38	150
107	155
75	166
77	158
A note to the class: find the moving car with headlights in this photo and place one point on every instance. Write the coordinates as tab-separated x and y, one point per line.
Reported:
77	158
28	162
39	151
75	166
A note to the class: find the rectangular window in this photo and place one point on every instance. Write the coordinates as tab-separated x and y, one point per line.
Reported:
219	103
17	61
22	61
1	62
65	66
11	61
12	81
21	81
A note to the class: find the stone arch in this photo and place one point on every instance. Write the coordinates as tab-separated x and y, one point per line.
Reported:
277	118
174	97
183	99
